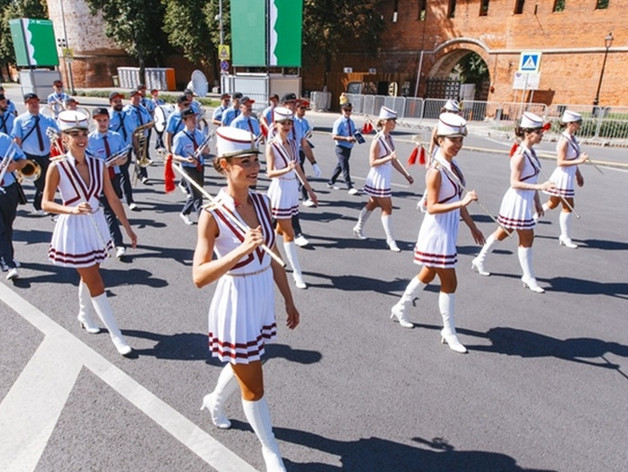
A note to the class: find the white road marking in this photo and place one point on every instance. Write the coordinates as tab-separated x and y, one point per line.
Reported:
30	410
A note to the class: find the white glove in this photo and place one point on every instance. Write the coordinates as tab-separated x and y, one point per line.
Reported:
317	171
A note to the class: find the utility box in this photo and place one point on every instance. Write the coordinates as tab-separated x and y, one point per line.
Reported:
38	81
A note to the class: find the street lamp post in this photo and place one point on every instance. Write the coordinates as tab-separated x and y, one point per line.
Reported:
608	41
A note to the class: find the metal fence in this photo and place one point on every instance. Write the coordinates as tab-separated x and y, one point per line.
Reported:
602	125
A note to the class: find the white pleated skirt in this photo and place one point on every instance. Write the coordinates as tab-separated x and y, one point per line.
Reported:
565	179
378	181
436	244
242	317
517	209
77	243
284	198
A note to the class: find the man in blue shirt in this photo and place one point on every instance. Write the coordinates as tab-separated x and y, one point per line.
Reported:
6	117
120	122
267	120
233	111
343	133
29	132
56	100
11	106
9	198
225	98
140	116
103	143
245	120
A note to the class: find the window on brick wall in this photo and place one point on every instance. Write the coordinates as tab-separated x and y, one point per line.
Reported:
602	4
559	5
451	11
484	7
519	7
422	9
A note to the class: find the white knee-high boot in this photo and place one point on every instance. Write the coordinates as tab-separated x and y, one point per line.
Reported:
565	230
258	417
392	244
357	229
293	259
86	310
104	311
399	309
215	402
536	216
448	334
525	260
477	264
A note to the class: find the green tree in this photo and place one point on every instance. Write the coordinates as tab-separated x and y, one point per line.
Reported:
135	25
9	10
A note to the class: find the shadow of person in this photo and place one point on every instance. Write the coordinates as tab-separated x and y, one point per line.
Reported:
177	346
586	286
522	343
605	245
376	455
356	283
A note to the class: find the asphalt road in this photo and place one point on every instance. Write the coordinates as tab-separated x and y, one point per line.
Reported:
543	387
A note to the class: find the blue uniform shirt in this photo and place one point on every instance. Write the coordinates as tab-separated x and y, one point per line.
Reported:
138	114
344	127
303	128
5	143
96	145
24	128
121	123
175	123
148	104
6	122
12	109
247	124
57	97
218	112
229	115
183	145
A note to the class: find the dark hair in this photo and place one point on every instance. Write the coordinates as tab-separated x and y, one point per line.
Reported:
521	132
216	164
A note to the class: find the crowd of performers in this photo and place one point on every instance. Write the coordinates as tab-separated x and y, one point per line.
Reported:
238	230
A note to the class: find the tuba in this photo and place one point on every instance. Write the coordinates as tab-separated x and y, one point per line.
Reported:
141	151
30	172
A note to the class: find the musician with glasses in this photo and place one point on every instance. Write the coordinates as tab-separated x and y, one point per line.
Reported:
6	116
233	111
11	108
29	132
120	123
189	149
104	143
56	100
81	238
11	159
139	116
225	98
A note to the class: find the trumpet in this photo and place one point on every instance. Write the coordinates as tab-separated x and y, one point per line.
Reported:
117	155
6	160
30	172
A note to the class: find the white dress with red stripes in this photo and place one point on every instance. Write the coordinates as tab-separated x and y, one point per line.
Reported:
379	177
75	240
517	208
436	244
284	191
565	177
242	311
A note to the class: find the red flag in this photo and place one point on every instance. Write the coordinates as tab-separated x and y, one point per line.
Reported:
413	156
514	148
422	156
547	126
169	174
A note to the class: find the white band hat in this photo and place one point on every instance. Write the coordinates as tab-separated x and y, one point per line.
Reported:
451	125
571	116
282	113
235	142
386	113
71	119
530	121
452	105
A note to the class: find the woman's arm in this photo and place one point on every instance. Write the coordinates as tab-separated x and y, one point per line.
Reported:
118	209
561	155
374	159
281	280
433	188
271	172
402	170
478	237
518	161
48	198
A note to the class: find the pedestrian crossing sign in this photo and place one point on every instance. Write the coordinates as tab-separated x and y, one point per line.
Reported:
224	52
530	62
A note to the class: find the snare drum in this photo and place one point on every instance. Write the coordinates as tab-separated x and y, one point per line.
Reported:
162	112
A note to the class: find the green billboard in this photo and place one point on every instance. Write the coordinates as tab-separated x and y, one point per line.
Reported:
248	32
34	43
285	20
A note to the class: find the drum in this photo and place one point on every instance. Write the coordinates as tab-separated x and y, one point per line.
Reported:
162	112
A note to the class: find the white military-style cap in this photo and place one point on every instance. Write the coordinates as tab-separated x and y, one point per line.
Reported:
571	116
70	119
531	121
235	142
386	113
452	105
451	125
282	113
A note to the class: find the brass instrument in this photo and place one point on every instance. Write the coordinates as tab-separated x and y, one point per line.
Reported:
141	149
30	172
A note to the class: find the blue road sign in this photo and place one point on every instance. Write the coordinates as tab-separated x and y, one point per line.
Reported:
224	65
530	62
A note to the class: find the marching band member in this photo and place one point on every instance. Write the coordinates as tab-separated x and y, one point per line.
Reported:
185	150
343	134
71	104
81	237
139	117
233	111
305	130
383	158
566	174
451	106
242	310
520	201
436	244
282	161
104	143
120	122
225	98
245	120
56	100
175	122
157	102
11	109
8	200
29	132
195	105
6	116
150	107
266	118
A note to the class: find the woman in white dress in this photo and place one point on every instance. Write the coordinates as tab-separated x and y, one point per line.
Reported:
382	158
282	161
436	244
566	175
242	311
81	235
520	201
